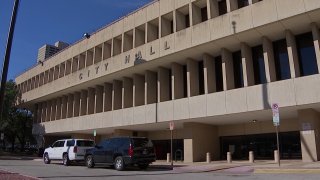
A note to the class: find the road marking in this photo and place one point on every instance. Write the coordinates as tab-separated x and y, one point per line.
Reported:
287	171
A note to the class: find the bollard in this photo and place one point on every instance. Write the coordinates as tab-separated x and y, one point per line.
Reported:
229	157
276	156
208	157
168	158
251	157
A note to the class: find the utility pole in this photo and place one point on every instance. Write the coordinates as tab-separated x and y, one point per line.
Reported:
5	66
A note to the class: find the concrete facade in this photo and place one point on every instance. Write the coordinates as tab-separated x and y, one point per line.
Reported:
179	61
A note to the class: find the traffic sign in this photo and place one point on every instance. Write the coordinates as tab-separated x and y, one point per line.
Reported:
275	112
94	133
171	125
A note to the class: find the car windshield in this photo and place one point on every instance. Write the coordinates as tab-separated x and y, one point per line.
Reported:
85	143
142	142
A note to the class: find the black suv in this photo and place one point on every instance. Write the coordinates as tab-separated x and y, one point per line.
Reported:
122	152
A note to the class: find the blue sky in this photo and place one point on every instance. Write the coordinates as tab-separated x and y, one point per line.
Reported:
42	22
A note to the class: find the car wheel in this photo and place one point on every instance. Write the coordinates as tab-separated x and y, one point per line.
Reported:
119	163
89	161
46	159
66	160
143	166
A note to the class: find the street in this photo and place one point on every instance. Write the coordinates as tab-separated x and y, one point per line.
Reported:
56	171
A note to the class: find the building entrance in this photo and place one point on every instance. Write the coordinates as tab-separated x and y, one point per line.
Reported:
162	147
263	146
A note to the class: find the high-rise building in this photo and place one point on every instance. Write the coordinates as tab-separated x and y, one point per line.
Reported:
47	50
213	67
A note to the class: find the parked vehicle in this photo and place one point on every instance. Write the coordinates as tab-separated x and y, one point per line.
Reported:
121	152
67	150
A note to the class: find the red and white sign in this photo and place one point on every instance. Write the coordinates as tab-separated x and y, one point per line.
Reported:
171	125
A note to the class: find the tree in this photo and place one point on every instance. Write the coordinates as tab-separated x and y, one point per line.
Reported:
15	123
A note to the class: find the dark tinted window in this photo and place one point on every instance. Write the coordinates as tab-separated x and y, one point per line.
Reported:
84	143
204	14
222	7
141	142
258	65
185	81
218	71
237	69
243	3
201	78
59	144
70	143
187	19
281	60
307	55
104	143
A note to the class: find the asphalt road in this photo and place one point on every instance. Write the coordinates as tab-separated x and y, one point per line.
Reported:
76	172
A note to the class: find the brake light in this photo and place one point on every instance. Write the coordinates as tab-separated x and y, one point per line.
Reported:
75	149
130	150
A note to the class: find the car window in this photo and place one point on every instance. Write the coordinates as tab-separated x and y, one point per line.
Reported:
55	144
142	142
105	143
85	143
70	143
61	144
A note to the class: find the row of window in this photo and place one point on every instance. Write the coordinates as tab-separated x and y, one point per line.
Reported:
136	37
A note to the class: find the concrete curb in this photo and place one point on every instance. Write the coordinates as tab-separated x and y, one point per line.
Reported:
287	171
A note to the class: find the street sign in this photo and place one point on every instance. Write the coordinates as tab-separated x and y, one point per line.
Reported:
171	125
94	133
275	112
2	136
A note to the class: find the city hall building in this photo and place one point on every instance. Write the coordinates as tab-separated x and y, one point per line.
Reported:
213	67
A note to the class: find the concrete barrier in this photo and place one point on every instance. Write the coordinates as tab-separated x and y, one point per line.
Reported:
168	158
229	157
251	157
208	157
276	156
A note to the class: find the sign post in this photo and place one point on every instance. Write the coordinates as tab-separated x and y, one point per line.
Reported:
171	125
276	123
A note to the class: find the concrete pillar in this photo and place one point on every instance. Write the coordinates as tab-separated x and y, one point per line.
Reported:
196	142
292	54
210	85
316	39
232	5
247	65
48	117
192	78
164	84
213	9
64	107
44	112
70	106
107	97
168	157
208	159
229	157
127	92
99	99
177	81
76	108
251	157
269	63
138	90
59	104
276	156
227	70
83	102
53	109
117	95
309	120
150	87
91	100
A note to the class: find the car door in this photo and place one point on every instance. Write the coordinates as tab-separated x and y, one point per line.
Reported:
59	149
100	152
51	150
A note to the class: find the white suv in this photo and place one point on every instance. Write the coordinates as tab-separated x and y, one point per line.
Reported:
67	150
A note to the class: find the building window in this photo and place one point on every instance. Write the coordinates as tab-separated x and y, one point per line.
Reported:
185	82
204	14
222	7
258	65
243	3
237	69
307	55
218	71
281	60
201	78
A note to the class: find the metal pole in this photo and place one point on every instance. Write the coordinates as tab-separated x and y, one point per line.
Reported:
171	150
6	60
277	132
5	66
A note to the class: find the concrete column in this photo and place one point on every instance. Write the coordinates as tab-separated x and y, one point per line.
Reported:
150	87
83	102
210	84
309	120
64	107
164	84
316	39
292	54
127	92
177	81
213	9
99	99
70	106
44	112
107	97
227	70
269	63
232	5
91	100
138	90
117	95
58	114
247	65
53	109
192	77
195	144
76	108
48	117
